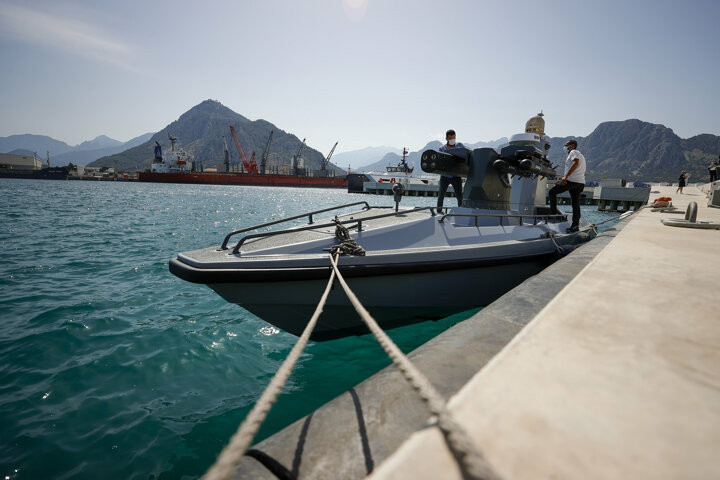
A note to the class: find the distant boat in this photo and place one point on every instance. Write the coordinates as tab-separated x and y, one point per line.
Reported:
402	173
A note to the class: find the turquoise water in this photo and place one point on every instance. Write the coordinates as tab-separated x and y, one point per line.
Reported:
110	366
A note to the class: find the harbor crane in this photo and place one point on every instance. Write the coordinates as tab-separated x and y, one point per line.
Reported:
250	166
297	156
227	156
327	159
266	152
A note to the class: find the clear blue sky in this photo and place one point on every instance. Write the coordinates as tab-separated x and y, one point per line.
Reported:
361	72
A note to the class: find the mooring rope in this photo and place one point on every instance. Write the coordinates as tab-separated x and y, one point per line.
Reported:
347	245
471	460
224	467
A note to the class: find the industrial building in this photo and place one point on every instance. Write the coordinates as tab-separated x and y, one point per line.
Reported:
10	163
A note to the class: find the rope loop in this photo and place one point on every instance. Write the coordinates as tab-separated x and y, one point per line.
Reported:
347	245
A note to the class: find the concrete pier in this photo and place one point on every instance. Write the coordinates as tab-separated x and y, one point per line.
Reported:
617	377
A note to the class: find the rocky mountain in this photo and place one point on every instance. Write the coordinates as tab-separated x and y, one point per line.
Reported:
637	150
200	131
629	149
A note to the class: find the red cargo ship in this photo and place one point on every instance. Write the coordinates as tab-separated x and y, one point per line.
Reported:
174	167
244	179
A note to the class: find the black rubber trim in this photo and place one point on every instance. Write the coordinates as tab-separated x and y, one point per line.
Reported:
226	275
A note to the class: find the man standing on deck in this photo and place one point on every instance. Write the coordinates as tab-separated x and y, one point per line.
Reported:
446	180
573	181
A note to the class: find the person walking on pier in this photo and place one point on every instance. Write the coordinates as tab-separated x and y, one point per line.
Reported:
573	181
681	181
446	180
713	169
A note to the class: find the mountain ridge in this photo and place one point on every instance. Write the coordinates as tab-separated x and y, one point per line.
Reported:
200	131
632	149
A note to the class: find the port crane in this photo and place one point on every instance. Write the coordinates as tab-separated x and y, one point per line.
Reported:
297	156
250	166
227	156
266	152
325	162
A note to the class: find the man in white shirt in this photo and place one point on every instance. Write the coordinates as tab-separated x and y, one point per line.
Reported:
573	181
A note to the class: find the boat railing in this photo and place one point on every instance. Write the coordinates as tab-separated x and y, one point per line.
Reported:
556	216
356	221
308	215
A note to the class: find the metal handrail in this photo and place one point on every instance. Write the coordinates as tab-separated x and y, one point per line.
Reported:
358	222
503	215
309	215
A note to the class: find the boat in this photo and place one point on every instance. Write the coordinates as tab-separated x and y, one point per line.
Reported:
419	263
176	161
401	173
177	166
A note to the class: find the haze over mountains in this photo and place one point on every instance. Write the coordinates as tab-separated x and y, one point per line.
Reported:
61	153
630	149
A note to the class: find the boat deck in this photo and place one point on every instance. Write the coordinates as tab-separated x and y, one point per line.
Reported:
325	232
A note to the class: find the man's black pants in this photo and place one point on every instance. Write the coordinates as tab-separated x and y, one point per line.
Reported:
575	189
457	186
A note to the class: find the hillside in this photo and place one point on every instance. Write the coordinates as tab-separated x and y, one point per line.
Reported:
355	159
200	131
637	150
629	149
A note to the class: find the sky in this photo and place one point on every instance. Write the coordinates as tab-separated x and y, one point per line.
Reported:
359	72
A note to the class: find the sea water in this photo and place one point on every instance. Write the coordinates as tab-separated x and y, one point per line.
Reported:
112	367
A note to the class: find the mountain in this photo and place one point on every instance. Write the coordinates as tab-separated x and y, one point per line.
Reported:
61	153
637	150
99	142
86	156
35	143
629	149
200	131
365	156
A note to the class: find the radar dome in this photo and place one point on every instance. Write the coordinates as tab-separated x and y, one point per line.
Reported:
536	125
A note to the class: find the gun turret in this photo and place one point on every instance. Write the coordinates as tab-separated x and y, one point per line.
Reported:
489	172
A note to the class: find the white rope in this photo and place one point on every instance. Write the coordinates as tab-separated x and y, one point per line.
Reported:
471	460
232	454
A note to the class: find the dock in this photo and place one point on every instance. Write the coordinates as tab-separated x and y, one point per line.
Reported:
604	365
617	377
